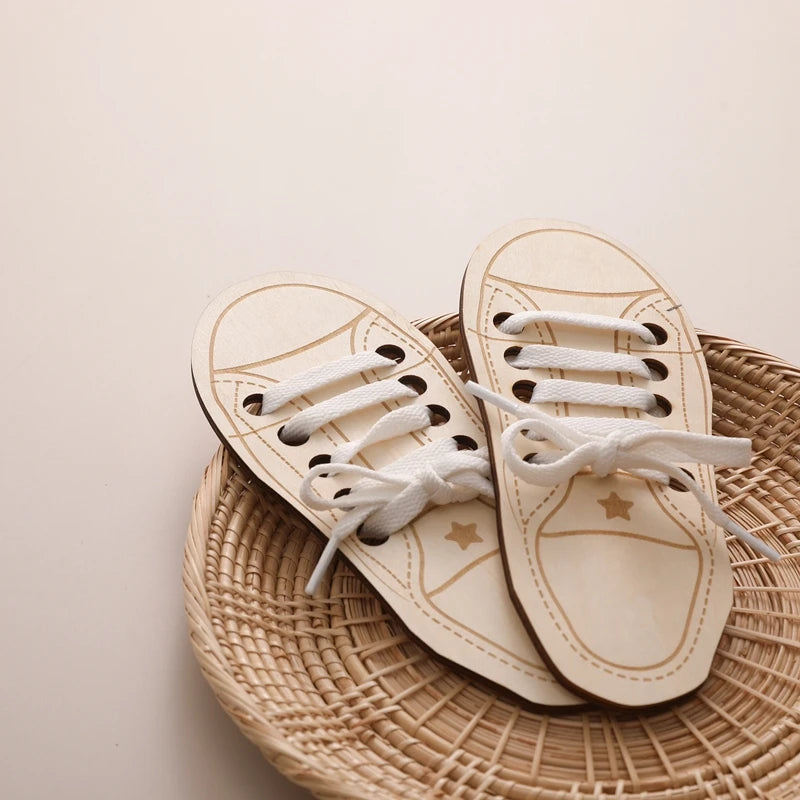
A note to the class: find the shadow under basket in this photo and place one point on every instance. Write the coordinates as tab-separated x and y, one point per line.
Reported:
343	701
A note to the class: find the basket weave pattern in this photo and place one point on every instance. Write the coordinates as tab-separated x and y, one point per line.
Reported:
339	698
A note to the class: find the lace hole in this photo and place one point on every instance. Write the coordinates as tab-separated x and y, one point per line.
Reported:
677	485
658	371
465	442
662	408
392	351
320	458
414	382
510	354
252	404
658	332
291	442
500	318
370	541
523	390
439	415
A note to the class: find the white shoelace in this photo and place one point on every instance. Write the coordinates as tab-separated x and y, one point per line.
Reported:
606	444
380	502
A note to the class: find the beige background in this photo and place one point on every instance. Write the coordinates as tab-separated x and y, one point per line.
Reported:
153	152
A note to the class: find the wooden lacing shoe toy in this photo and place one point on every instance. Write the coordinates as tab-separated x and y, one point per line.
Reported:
597	408
346	411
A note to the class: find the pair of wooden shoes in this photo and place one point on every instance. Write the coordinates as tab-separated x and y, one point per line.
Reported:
560	535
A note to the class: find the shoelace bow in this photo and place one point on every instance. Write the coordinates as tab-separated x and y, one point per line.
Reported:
383	501
607	444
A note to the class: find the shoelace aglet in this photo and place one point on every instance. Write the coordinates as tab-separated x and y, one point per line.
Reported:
321	567
503	403
755	543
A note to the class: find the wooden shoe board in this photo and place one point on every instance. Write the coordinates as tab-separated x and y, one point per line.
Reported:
624	584
442	574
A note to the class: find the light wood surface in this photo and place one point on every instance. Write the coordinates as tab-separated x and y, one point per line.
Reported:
442	574
625	583
153	153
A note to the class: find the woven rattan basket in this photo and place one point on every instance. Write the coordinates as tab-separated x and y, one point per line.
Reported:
339	698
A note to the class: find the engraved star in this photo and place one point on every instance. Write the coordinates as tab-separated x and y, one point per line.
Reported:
463	535
615	506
